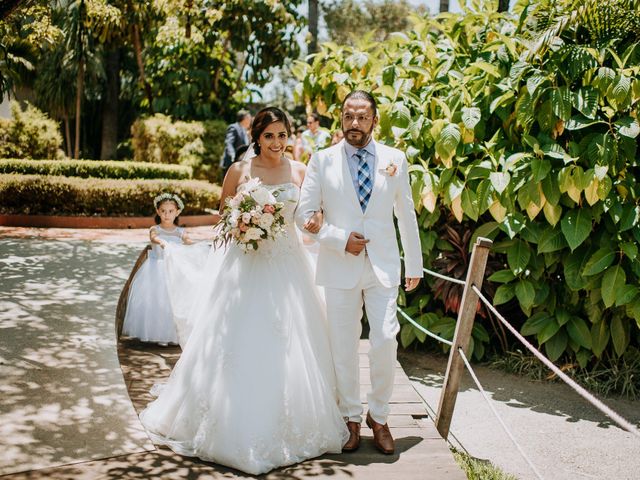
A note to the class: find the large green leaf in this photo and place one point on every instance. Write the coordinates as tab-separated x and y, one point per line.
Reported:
549	330
629	127
471	116
585	100
626	294
504	293
536	323
551	240
599	261
470	204
448	141
556	346
579	332
576	227
599	337
561	102
619	334
573	267
500	180
612	281
518	256
502	276
540	168
525	292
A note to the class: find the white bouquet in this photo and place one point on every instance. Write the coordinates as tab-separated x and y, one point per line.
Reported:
252	215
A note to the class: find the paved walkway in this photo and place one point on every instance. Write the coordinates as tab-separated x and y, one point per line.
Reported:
565	437
67	413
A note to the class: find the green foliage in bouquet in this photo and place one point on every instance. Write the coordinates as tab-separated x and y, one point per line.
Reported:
525	130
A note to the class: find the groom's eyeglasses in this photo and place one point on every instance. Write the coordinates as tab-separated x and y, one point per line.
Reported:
348	118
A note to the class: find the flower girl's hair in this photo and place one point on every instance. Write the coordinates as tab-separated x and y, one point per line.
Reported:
168	197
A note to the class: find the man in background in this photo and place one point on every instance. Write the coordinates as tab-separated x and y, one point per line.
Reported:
237	135
315	138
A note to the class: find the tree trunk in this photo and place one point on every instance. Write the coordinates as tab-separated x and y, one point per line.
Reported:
109	142
79	92
444	6
67	134
137	45
187	28
313	26
503	5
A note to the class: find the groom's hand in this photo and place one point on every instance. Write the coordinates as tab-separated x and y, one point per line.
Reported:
410	283
356	243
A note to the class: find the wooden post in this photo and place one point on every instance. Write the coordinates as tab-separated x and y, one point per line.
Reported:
466	316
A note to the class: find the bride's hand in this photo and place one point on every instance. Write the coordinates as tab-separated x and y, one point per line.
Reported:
314	222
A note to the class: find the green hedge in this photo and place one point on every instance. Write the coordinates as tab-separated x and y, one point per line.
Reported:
55	195
96	169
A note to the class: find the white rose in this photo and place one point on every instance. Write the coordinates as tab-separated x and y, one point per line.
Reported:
252	234
266	221
233	218
246	217
263	196
235	201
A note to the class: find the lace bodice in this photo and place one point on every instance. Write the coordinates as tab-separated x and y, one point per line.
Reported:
169	236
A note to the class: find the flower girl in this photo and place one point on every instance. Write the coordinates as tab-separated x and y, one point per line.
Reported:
149	314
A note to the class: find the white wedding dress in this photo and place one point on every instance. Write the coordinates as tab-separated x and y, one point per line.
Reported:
254	388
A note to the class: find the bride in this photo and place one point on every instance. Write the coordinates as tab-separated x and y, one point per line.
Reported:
254	388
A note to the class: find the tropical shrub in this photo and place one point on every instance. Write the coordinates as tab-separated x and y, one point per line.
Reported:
95	169
52	195
524	130
196	144
30	133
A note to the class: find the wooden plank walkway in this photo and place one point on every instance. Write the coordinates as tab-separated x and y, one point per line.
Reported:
420	451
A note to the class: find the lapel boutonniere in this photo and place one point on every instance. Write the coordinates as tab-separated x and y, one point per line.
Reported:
391	169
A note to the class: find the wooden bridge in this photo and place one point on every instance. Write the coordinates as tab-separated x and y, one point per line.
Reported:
420	451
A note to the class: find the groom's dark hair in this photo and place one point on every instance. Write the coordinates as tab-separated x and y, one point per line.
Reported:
263	119
362	95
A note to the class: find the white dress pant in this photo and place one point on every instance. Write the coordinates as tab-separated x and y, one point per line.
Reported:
344	311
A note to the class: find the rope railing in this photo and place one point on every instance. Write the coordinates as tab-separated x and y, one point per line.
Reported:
625	424
496	414
458	359
421	328
443	277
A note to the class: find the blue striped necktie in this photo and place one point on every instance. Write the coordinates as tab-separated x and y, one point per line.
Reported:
364	179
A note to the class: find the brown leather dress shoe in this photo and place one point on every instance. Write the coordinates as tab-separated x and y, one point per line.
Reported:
354	438
382	438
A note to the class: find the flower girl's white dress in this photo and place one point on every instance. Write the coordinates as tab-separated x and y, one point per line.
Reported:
254	388
149	316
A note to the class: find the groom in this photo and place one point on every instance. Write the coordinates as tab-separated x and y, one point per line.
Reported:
360	184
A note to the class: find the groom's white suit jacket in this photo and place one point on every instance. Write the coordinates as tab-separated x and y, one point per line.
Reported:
328	186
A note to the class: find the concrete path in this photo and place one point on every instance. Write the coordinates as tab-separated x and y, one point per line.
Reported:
62	398
564	436
65	411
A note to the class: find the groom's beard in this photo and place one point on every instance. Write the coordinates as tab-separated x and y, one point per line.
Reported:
357	138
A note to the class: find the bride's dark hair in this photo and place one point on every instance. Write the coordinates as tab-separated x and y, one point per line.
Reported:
263	119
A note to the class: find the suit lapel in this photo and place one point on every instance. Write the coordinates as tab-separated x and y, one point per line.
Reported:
347	181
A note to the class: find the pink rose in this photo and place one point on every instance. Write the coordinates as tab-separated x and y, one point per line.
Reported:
243	227
269	209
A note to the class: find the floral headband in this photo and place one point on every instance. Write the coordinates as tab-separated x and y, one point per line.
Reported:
168	196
